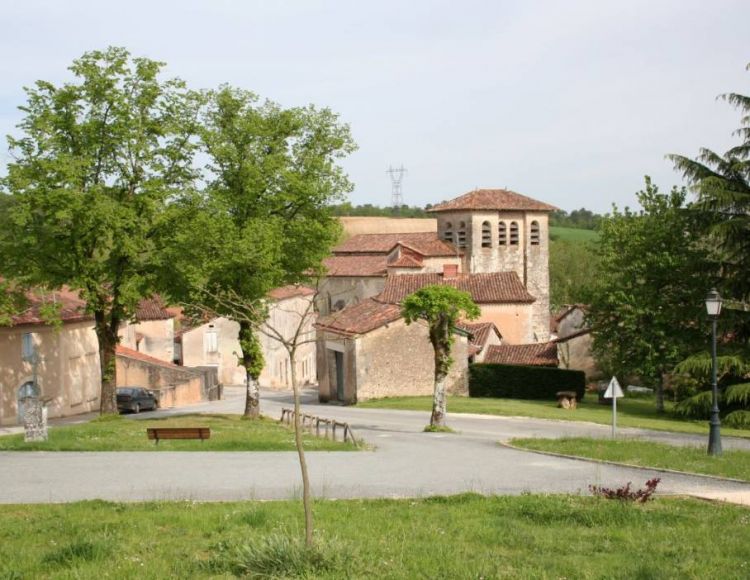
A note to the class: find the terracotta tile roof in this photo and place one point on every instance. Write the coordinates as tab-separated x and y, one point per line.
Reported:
73	309
134	354
542	354
489	288
493	199
480	332
405	261
360	318
348	265
290	291
425	243
152	309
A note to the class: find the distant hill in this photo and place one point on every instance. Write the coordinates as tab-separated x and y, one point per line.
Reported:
573	234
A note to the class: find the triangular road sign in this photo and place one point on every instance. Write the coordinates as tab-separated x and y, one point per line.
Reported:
613	390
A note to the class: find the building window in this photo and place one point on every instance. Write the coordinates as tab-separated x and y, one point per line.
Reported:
513	233
448	233
502	234
462	235
535	237
28	352
486	235
211	340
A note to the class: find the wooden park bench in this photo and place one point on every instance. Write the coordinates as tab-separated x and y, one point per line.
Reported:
159	433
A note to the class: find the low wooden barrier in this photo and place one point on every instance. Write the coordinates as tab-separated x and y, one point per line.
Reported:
315	424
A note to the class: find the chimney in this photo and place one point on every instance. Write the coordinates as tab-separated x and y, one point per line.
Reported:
450	270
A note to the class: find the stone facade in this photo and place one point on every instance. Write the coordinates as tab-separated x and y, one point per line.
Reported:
337	292
152	337
173	385
393	360
502	241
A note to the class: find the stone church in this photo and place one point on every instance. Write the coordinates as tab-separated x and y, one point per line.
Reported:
492	243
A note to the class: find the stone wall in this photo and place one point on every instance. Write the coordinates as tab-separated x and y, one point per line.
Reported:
398	360
336	292
173	385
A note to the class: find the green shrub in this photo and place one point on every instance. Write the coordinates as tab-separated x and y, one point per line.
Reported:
695	407
518	382
738	419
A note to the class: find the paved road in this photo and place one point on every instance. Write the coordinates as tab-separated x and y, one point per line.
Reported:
405	462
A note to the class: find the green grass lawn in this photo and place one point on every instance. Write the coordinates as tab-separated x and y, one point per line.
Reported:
734	464
631	412
573	234
465	536
228	433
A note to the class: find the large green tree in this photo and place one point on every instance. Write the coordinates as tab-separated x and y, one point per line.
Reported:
441	307
653	276
722	184
264	218
97	160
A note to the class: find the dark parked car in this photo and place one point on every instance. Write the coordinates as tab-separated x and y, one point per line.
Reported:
135	399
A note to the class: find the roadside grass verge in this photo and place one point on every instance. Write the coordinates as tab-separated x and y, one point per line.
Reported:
735	464
116	433
464	536
637	412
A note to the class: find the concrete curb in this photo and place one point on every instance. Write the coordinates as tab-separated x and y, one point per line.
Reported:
618	464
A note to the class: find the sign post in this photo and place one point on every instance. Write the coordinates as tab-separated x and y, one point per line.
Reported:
614	392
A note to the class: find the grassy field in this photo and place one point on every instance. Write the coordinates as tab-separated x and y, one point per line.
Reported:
228	433
573	234
734	464
631	412
465	536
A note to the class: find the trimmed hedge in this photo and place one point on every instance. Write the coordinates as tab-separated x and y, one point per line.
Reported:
519	382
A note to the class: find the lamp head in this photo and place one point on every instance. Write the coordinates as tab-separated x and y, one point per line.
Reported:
713	304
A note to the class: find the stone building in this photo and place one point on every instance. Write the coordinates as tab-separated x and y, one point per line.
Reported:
492	243
502	231
367	351
216	341
68	371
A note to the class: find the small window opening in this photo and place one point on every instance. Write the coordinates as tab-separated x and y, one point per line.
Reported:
448	233
462	235
513	233
486	235
535	237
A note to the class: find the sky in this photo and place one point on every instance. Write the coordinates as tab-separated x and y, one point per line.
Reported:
568	102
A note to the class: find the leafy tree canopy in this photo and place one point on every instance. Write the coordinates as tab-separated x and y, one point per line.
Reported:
722	183
96	163
647	306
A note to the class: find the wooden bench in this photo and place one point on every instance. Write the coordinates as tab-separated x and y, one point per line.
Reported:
159	433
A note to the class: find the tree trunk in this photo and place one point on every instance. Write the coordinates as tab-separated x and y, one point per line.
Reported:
660	394
106	333
437	419
252	396
306	497
252	387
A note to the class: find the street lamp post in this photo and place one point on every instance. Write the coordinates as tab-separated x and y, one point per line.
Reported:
713	309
